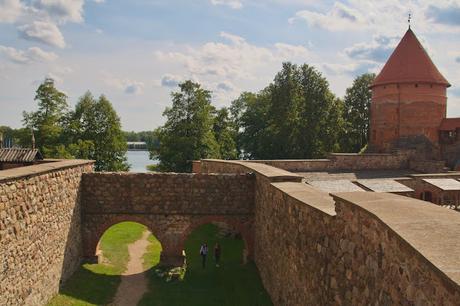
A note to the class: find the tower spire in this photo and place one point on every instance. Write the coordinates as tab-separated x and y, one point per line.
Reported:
409	19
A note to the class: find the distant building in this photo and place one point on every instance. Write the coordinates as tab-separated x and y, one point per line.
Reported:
409	105
137	146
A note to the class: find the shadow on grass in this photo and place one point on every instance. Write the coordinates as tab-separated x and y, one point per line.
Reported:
232	283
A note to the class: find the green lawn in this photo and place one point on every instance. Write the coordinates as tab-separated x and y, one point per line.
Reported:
230	284
96	284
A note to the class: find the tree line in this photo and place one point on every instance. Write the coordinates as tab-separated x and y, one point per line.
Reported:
296	116
92	130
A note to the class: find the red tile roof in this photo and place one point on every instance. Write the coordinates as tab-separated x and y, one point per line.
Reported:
409	63
450	124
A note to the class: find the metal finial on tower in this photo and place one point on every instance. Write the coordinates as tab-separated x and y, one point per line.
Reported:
409	19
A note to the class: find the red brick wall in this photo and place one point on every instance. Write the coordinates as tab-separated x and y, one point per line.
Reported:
406	110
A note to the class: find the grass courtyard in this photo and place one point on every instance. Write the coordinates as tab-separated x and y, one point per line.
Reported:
230	284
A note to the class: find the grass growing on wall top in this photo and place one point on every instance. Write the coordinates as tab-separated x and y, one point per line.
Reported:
96	284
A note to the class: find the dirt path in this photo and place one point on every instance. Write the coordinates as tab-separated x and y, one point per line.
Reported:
133	281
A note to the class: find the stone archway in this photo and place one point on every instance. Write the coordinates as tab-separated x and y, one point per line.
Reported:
92	234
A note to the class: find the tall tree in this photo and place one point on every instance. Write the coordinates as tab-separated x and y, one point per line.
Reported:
47	121
187	134
94	132
296	116
225	134
357	103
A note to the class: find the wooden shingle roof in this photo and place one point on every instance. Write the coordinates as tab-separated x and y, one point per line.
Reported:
19	155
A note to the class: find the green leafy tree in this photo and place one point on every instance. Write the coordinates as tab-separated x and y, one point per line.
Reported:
47	121
225	134
249	113
356	110
296	116
188	132
93	131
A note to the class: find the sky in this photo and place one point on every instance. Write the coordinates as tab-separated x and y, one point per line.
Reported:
136	52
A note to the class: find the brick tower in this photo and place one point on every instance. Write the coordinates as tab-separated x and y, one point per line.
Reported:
408	99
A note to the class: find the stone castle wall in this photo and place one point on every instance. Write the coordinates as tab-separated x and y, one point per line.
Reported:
171	205
451	153
39	230
342	161
168	193
356	249
388	257
368	249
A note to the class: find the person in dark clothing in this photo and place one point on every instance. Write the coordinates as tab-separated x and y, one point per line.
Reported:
217	252
204	253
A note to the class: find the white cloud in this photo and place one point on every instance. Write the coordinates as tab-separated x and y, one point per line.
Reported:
33	54
128	86
228	66
291	51
235	39
134	88
10	10
225	86
384	16
55	77
170	80
351	69
44	32
235	59
340	18
62	10
38	54
378	50
234	4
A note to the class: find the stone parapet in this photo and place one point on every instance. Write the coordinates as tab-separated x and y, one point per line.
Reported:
400	251
40	230
353	249
335	162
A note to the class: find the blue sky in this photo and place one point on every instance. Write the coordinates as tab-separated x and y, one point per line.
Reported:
135	52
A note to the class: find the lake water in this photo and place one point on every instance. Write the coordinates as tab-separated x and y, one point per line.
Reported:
139	161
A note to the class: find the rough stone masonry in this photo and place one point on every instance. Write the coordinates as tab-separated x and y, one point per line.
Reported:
310	248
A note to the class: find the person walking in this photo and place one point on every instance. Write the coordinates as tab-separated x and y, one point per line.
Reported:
217	252
204	253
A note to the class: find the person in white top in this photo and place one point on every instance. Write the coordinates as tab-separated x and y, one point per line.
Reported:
204	253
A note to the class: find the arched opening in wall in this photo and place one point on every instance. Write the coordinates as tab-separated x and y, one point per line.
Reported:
426	196
127	252
129	247
229	281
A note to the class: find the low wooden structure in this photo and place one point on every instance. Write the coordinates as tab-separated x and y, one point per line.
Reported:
18	157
